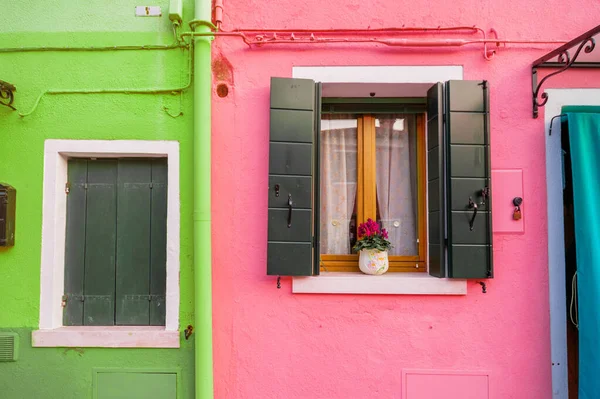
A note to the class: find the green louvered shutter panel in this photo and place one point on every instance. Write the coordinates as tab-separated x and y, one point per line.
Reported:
141	245
292	151
468	180
436	181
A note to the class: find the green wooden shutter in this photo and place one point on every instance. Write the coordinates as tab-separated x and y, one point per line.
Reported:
75	242
290	250
100	234
133	242
90	243
468	177
435	184
158	242
115	253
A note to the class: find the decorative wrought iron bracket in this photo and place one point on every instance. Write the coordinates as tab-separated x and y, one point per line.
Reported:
7	94
585	42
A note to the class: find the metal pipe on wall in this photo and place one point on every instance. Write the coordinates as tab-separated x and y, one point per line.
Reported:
202	191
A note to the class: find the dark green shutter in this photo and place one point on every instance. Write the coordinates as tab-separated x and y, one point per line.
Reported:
115	253
458	153
75	242
290	250
468	177
158	243
133	242
100	234
435	184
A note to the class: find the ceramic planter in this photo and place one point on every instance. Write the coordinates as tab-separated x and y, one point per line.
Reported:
372	261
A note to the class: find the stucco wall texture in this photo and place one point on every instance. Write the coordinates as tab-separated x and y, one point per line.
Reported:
270	343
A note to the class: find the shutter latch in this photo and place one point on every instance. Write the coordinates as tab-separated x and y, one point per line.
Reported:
290	208
472	205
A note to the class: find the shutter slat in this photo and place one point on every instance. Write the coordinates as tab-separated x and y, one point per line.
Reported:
133	243
469	172
75	241
100	233
291	177
158	243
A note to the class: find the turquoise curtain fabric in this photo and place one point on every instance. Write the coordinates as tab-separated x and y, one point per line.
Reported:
584	139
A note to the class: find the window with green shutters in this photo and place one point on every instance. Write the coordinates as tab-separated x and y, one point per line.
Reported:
115	252
458	187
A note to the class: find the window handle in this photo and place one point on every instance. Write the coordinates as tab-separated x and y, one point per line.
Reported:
290	207
472	205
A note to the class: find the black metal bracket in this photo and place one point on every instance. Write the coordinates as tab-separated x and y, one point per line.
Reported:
7	95
585	42
483	287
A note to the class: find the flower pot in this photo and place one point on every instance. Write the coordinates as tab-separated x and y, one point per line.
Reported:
372	261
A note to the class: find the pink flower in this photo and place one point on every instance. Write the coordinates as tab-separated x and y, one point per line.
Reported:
384	233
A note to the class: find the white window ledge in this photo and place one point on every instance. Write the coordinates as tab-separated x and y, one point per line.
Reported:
107	337
390	283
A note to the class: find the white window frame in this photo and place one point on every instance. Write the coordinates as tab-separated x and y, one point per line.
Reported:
51	331
390	283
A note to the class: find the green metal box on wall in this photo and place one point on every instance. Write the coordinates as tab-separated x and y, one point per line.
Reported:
136	383
8	196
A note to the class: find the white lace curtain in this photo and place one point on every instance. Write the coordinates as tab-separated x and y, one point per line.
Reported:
338	182
396	159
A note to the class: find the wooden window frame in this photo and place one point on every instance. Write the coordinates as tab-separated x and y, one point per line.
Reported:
366	200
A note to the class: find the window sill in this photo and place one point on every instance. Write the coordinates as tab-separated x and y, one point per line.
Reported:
390	284
106	337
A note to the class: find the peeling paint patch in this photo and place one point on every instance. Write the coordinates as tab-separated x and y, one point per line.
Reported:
222	69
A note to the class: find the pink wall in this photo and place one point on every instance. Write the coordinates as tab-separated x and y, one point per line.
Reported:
270	343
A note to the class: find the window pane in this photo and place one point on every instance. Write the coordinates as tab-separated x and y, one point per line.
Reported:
338	141
396	179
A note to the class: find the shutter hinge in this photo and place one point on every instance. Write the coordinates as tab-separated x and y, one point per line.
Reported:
67	187
151	186
314	241
63	302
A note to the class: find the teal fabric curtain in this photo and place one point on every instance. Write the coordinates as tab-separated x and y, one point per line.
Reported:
584	139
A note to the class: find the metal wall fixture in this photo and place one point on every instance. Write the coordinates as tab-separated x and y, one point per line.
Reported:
7	95
564	61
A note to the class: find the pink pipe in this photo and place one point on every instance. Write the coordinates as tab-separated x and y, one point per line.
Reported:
398	42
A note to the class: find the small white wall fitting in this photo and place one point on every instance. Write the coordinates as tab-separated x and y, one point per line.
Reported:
148	11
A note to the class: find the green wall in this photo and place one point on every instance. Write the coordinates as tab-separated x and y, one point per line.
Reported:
60	372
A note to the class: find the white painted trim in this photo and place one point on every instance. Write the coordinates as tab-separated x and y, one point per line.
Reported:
379	74
390	283
101	337
56	154
557	98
